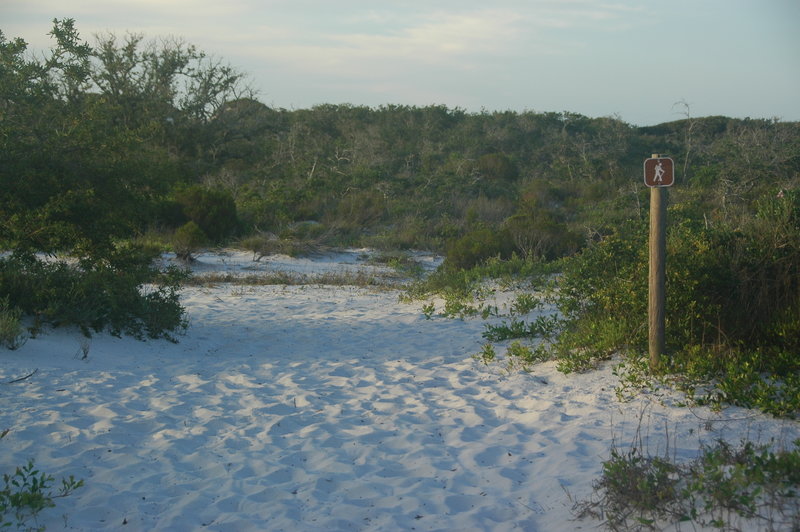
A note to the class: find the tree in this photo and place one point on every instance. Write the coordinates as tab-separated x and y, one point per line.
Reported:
87	153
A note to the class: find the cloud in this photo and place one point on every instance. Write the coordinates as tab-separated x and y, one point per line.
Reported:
438	39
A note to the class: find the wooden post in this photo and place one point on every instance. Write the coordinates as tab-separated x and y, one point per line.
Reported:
657	276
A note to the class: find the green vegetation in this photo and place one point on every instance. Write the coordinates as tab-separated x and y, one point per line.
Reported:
722	488
27	492
112	152
113	295
11	330
733	304
87	162
188	239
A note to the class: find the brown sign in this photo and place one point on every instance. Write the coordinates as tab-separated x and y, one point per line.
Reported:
659	172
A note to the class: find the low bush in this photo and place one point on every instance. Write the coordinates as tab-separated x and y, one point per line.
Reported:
524	303
212	209
12	334
476	247
724	487
188	240
541	327
539	234
519	356
524	356
123	294
260	244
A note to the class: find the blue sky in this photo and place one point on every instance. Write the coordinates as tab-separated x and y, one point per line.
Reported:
631	59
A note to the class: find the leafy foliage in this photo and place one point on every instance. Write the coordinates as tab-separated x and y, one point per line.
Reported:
720	488
477	246
27	492
187	240
213	211
540	327
11	330
732	306
114	295
88	144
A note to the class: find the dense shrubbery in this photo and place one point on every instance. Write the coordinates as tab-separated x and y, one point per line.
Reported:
541	235
123	296
733	301
187	240
728	286
733	304
476	247
213	211
12	334
93	142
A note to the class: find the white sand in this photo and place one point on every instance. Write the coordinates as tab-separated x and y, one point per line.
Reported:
323	408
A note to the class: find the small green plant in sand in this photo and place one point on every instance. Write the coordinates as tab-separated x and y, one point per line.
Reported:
524	303
457	306
738	378
523	356
518	356
541	327
487	354
27	492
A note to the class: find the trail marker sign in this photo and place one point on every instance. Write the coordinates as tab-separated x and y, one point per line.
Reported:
659	172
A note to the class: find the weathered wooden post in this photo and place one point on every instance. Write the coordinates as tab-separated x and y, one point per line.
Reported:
658	174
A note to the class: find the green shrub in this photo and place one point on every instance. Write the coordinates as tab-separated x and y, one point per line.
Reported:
188	240
518	355
539	234
27	492
733	311
723	485
124	294
524	303
260	244
540	327
524	356
487	354
477	246
212	209
11	330
602	295
737	287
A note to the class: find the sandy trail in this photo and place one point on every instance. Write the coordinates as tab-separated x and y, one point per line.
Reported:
323	408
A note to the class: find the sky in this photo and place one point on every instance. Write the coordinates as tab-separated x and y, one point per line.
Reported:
643	61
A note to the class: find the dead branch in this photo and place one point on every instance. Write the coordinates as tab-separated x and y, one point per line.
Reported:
28	376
